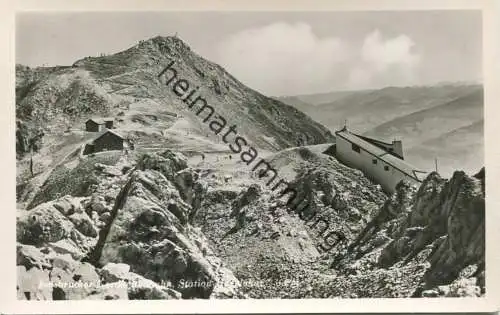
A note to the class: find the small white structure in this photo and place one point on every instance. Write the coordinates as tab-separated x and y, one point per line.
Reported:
381	162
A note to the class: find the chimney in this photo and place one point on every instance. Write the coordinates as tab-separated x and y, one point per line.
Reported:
398	147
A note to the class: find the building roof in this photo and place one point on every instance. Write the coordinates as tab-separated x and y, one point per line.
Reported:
380	144
100	120
108	131
381	154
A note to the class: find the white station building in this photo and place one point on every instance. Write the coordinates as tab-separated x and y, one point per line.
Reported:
381	162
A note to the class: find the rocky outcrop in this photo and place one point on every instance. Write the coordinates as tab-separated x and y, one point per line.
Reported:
142	249
190	189
274	249
464	241
342	198
440	226
44	274
56	221
149	231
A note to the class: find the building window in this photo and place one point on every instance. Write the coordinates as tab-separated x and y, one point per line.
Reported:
356	148
374	161
386	167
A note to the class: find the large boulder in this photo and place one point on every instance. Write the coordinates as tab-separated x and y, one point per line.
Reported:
74	281
45	224
61	223
168	163
45	275
31	257
138	287
33	284
84	224
114	272
67	246
67	205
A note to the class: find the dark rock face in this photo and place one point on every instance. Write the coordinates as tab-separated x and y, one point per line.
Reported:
84	224
464	244
190	189
28	138
440	226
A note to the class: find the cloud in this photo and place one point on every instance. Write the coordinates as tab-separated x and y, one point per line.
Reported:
282	58
385	62
289	59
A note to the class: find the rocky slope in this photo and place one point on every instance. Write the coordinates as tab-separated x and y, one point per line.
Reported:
126	86
155	227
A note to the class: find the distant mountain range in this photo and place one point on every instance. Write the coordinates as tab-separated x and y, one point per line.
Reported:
314	99
433	121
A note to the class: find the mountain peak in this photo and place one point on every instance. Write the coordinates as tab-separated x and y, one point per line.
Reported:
169	43
141	53
170	40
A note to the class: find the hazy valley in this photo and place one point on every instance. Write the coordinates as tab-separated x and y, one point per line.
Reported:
443	121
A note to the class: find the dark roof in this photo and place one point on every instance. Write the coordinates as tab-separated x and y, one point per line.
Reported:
101	120
380	153
108	131
380	144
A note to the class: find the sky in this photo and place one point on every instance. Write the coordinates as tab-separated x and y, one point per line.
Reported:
278	53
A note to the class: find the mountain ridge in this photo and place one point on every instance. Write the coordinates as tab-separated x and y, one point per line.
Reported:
117	82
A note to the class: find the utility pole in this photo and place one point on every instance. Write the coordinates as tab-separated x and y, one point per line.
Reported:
436	164
31	160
